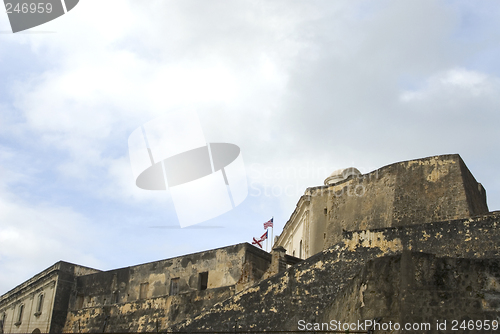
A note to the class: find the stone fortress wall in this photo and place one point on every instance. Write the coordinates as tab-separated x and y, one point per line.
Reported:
410	242
410	192
415	273
157	294
41	303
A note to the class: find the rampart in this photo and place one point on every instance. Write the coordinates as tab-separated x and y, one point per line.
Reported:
153	296
310	290
436	188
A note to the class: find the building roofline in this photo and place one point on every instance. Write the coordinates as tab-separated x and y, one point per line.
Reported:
242	244
55	268
301	199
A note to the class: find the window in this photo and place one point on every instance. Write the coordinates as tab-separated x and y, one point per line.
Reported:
300	249
174	286
39	305
79	301
203	280
143	290
2	324
20	315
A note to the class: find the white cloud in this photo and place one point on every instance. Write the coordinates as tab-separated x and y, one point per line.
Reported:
312	86
34	237
458	83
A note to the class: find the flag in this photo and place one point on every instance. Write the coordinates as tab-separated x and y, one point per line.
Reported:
268	224
257	242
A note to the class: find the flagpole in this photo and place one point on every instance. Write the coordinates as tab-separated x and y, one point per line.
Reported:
266	240
272	229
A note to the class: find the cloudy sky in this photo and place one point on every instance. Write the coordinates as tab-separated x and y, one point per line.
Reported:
302	87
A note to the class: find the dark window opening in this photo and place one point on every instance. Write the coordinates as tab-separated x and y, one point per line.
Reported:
116	297
2	323
39	305
143	292
79	301
203	280
174	286
300	250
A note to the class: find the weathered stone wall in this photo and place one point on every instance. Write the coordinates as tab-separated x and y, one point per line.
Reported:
410	192
140	298
372	294
468	238
476	194
257	264
449	289
147	315
66	281
305	290
436	188
295	237
419	288
314	239
224	267
279	302
54	284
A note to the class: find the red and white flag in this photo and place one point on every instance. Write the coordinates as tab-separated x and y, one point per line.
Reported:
257	242
268	224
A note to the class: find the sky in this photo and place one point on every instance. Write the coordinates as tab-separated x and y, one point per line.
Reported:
302	87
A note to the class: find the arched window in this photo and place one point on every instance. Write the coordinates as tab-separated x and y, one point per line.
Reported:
2	324
39	305
20	315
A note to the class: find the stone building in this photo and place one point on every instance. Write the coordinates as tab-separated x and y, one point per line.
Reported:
409	243
40	304
404	193
71	298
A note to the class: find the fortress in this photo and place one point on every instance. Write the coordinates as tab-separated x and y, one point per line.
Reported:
410	243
